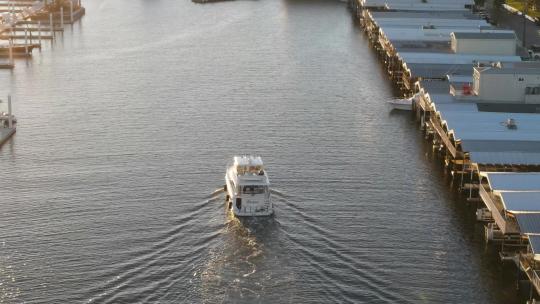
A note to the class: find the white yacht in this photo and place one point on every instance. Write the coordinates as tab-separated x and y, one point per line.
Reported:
247	187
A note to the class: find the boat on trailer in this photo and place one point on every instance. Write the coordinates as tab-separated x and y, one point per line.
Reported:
248	187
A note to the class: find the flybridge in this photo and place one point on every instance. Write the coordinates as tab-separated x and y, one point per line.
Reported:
248	164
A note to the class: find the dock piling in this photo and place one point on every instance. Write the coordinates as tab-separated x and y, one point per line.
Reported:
26	41
39	34
10	119
62	17
11	49
71	11
51	24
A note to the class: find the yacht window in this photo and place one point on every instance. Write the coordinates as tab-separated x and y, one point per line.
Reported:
253	189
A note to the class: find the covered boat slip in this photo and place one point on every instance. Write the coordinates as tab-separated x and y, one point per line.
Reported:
484	137
503	181
416	66
514	201
373	20
484	127
528	260
521	202
433	5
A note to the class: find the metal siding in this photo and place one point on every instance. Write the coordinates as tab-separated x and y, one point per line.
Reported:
513	157
516	202
534	241
528	223
506	181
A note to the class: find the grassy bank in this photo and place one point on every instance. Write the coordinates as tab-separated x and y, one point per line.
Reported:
518	4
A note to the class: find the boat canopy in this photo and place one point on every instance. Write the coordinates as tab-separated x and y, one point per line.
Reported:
248	164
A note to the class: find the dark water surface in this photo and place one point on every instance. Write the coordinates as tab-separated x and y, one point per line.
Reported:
110	190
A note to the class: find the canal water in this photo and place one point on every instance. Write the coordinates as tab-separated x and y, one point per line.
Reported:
111	188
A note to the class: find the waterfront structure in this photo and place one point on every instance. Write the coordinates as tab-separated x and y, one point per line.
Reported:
515	83
25	24
478	103
487	43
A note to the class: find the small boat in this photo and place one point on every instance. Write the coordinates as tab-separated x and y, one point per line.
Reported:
404	104
248	187
4	120
401	104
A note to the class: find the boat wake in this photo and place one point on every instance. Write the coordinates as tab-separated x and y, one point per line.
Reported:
159	262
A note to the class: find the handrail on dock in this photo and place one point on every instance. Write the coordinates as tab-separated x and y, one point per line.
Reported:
444	137
531	273
503	224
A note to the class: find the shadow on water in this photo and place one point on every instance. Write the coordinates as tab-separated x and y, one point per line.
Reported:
500	277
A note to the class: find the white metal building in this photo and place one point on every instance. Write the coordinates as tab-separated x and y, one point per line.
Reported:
516	82
487	43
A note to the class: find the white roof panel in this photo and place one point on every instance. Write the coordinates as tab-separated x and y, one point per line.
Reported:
534	241
442	58
507	181
519	202
508	157
529	223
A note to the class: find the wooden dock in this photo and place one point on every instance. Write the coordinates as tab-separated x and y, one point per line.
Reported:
465	175
29	22
6	134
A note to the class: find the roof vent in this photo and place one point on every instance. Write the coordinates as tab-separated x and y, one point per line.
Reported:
511	124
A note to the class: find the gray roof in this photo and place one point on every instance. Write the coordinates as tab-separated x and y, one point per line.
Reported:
509	181
491	35
453	15
534	241
433	70
524	67
529	223
486	132
500	146
521	202
507	158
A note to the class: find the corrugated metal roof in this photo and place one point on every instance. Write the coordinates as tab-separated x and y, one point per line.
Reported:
426	7
534	241
515	149
510	158
457	24
509	181
436	88
529	223
483	35
442	5
487	139
526	67
398	33
435	58
440	15
521	202
432	70
457	107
